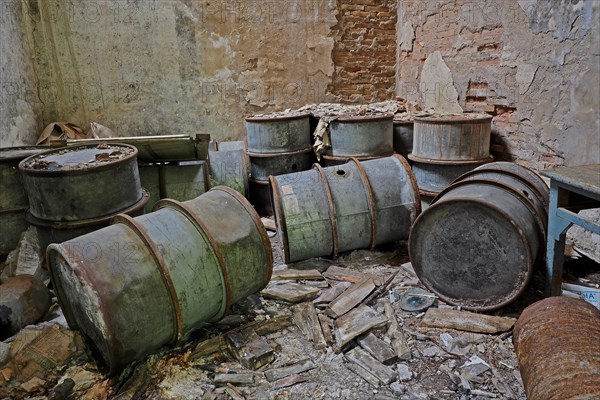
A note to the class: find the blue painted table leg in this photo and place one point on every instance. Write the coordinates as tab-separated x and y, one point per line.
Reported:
555	248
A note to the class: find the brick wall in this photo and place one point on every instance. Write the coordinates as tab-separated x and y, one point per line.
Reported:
364	53
531	65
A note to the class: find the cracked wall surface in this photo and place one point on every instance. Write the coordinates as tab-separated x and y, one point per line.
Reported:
161	66
534	65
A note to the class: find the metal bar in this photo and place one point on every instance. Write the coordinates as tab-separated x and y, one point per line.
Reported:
578	220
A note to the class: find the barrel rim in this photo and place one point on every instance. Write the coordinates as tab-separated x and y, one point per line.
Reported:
280	221
421	160
30	150
330	157
259	225
404	121
427	193
472	118
19	210
530	171
530	260
267	118
252	154
98	167
362	118
202	229
67	225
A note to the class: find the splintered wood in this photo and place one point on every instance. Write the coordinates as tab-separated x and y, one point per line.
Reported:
466	321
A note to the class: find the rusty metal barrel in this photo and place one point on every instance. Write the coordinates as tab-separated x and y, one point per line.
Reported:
324	211
403	136
81	182
460	137
147	282
273	134
361	136
76	190
476	244
13	199
229	168
433	177
557	341
332	161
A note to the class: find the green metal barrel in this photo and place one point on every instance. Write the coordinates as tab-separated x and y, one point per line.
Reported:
147	282
355	205
361	136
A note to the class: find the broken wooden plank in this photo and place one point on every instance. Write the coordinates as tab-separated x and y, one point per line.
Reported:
297	368
326	328
235	379
305	317
353	296
356	322
383	352
296	274
234	393
395	333
291	292
363	373
269	224
382	372
251	350
466	321
219	343
343	274
290	381
328	295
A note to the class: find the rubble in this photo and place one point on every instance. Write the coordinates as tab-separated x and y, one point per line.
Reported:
24	300
466	321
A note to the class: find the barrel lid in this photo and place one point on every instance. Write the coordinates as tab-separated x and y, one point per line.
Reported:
14	154
77	158
463	118
277	116
471	254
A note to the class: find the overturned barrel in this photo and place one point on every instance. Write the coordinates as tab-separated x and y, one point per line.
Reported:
476	245
324	211
147	282
558	348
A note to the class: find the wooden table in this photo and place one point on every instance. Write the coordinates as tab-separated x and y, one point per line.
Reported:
572	189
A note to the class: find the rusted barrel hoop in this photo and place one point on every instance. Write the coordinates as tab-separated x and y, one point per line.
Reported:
522	198
331	207
450	162
285	153
535	190
279	218
523	239
259	225
413	181
203	230
164	271
370	201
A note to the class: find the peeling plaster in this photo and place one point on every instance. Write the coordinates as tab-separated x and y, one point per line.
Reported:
407	36
437	86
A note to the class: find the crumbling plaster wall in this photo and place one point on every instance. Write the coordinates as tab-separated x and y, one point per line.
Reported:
161	66
534	65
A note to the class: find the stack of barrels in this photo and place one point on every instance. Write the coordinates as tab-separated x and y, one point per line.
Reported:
364	137
447	146
76	190
277	144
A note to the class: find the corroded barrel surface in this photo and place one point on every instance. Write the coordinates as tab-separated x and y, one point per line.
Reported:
278	134
332	161
475	246
355	205
81	182
264	165
433	177
148	282
361	136
461	137
558	347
